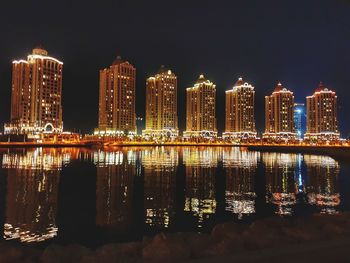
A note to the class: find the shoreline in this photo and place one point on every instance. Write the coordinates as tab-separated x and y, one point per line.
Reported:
265	240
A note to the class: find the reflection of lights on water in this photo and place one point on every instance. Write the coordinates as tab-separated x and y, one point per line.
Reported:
32	185
281	184
160	165
320	161
234	157
11	232
280	160
284	180
327	202
157	217
299	174
240	203
284	202
102	159
200	208
323	183
206	157
160	156
40	159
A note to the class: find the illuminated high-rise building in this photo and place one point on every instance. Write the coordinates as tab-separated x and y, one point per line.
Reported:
240	120
161	105
36	94
200	109
279	114
322	122
299	119
117	99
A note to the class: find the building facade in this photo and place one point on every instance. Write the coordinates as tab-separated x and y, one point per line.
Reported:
200	109
117	99
36	101
322	122
161	105
299	119
279	114
239	119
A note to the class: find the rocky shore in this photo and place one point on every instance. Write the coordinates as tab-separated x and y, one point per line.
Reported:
224	243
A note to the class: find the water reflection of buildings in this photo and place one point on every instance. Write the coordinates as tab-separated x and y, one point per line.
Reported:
240	168
281	188
114	188
201	165
160	166
322	186
32	193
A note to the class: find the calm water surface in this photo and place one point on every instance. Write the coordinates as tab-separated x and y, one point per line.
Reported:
92	197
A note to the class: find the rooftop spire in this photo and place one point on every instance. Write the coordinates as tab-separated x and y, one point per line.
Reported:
118	60
320	87
39	50
239	82
279	87
201	79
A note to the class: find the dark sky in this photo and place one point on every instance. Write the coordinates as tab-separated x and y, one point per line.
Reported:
299	43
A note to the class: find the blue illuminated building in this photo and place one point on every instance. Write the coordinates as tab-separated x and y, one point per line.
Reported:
299	119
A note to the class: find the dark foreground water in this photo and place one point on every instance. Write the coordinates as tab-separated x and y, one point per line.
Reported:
92	197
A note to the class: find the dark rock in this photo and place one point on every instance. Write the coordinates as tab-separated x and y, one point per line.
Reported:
65	254
128	252
165	248
226	230
10	253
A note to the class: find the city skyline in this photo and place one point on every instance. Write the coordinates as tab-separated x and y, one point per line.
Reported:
37	94
174	131
309	44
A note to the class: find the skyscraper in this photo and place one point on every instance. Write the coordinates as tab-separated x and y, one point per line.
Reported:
161	105
240	120
36	94
200	109
117	99
322	123
279	114
299	119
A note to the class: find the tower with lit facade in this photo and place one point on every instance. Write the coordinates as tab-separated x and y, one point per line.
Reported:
117	99
161	105
299	119
36	101
279	114
200	109
240	120
322	122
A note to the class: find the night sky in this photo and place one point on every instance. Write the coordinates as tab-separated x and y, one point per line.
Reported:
299	43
